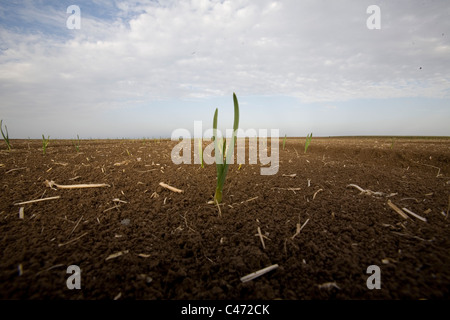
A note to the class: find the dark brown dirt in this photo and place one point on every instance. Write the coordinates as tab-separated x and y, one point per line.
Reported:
176	246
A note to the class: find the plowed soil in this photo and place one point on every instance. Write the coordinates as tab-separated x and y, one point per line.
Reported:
137	240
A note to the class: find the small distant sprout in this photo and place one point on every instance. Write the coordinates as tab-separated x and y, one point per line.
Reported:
308	141
223	156
392	143
284	141
76	144
5	137
45	144
200	152
240	166
128	152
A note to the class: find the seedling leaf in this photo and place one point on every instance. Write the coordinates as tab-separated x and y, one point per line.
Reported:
223	158
308	141
5	137
45	143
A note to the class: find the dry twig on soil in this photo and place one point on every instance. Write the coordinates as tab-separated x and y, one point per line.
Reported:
261	237
115	207
370	192
411	236
37	200
115	255
73	240
162	184
50	268
76	225
118	200
15	169
415	215
428	165
314	196
258	273
289	189
397	209
328	285
299	229
248	200
50	184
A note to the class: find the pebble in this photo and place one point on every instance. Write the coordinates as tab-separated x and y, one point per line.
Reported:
125	222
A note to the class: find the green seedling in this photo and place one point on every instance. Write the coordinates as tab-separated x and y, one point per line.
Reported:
308	141
284	141
392	143
223	156
77	144
5	137
200	151
45	144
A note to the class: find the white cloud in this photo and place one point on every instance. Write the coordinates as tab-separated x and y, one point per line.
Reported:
312	50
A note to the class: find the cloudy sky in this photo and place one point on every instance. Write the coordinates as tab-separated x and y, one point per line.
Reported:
145	68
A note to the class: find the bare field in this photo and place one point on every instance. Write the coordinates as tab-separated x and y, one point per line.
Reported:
134	239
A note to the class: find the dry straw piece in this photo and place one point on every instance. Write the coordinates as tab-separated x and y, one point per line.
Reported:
397	209
16	169
370	192
258	273
50	184
21	213
328	285
162	184
299	229
115	255
314	196
37	200
415	215
261	237
73	240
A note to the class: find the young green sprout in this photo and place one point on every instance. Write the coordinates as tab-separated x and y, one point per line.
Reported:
223	155
284	141
308	141
77	145
5	137
45	144
200	151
